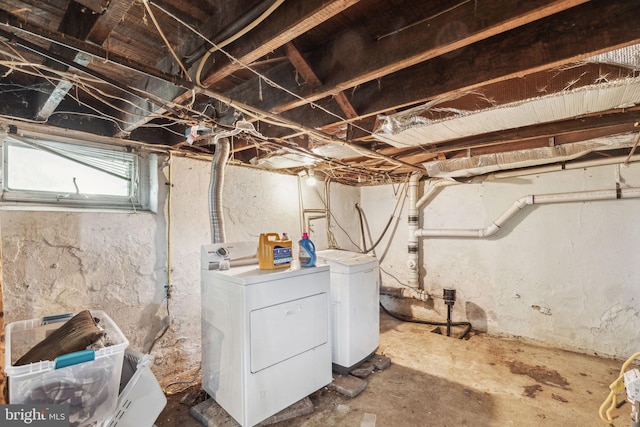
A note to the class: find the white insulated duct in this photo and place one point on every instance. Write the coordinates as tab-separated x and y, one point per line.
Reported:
410	129
415	232
488	163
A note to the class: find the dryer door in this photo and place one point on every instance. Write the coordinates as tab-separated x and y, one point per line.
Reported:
285	330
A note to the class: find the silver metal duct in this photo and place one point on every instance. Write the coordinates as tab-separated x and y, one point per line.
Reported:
216	185
218	164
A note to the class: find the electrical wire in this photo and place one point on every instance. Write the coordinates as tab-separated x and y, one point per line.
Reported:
399	281
169	262
245	109
611	402
337	222
193	380
234	37
384	231
273	84
82	82
164	38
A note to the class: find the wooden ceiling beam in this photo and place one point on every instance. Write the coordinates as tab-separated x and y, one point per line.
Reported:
302	66
284	25
551	42
77	22
362	63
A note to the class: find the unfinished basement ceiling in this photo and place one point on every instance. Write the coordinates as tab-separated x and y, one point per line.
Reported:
364	91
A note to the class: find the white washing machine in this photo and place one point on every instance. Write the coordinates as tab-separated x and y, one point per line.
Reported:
265	338
355	312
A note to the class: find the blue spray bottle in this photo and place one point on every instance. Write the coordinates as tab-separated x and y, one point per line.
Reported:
307	254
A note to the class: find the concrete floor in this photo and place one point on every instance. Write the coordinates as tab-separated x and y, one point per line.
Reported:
436	380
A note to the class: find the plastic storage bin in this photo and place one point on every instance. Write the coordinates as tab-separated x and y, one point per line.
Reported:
141	398
90	387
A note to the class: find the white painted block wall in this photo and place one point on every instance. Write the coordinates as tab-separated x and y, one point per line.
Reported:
564	275
61	262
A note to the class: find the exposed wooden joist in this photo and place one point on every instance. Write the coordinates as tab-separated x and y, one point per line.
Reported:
96	34
283	26
77	22
302	66
551	42
364	63
112	16
196	90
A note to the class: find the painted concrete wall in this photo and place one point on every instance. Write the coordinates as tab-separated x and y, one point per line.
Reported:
564	275
60	262
560	274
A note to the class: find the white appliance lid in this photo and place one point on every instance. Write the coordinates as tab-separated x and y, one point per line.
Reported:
251	274
346	261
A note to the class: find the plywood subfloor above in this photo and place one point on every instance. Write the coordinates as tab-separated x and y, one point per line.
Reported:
434	380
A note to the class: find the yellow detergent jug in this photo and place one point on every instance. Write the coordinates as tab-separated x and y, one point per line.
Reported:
274	252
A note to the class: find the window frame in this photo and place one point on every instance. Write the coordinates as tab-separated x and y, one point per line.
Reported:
142	186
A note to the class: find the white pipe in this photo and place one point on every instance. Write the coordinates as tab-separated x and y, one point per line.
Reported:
565	166
521	203
414	204
433	189
413	224
404	292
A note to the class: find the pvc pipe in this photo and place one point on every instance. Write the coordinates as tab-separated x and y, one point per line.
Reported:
405	292
518	205
433	189
413	224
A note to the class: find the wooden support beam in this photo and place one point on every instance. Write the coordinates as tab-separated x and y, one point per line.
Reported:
551	42
284	25
301	65
304	69
362	62
96	32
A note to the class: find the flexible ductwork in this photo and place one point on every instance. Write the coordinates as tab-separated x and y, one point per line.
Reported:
221	141
216	185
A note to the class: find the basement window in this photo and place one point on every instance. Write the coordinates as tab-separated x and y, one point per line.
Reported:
40	171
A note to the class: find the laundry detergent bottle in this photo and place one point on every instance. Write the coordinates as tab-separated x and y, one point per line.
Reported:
307	253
